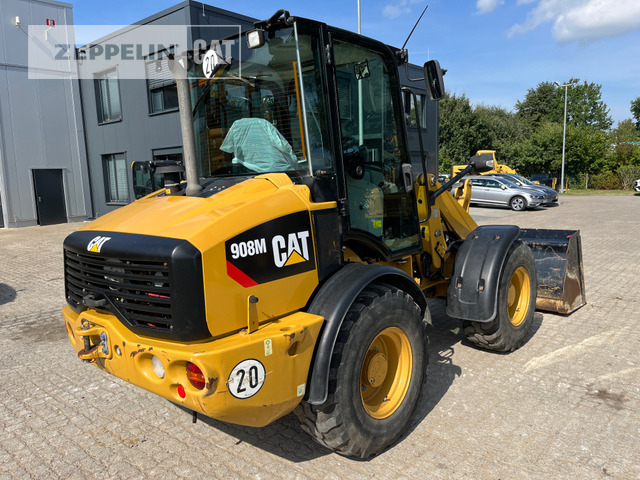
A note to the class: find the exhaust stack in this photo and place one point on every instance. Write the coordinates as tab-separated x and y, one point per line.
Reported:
177	67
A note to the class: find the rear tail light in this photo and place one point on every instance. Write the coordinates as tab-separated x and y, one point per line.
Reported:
195	376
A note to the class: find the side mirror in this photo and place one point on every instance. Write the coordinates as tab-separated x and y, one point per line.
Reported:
482	163
504	187
433	78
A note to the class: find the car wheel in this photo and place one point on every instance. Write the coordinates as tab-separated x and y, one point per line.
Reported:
517	203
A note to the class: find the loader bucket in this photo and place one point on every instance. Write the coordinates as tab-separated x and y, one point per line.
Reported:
558	260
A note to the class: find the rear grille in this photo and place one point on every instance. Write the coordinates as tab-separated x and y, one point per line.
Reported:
139	291
153	285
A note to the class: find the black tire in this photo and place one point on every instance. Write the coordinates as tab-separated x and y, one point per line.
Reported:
346	422
518	203
512	324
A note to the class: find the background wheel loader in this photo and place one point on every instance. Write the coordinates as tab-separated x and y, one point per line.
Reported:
291	271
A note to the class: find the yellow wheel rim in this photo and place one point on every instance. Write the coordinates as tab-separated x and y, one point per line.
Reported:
386	373
519	296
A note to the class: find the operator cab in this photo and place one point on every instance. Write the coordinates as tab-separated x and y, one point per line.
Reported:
320	104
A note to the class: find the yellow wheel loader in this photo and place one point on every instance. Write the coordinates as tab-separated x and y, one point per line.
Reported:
497	167
291	270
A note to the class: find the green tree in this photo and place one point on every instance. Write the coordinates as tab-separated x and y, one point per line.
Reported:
538	104
458	131
585	151
584	106
542	150
502	131
588	120
635	111
624	152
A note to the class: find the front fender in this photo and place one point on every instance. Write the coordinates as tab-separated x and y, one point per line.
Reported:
333	301
473	289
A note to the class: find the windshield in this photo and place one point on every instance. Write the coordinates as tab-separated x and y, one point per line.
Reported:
509	183
265	112
526	181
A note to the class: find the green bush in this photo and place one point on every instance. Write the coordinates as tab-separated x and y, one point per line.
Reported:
582	180
628	175
605	181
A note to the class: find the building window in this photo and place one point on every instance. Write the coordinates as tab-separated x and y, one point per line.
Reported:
115	178
168	155
161	84
108	96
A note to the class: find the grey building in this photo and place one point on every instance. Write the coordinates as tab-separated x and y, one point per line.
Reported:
43	167
128	120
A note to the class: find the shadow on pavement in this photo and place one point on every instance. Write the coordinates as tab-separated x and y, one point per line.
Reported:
7	294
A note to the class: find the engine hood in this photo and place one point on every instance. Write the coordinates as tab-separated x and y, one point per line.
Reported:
229	211
255	238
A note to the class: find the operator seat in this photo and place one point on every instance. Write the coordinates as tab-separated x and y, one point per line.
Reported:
259	146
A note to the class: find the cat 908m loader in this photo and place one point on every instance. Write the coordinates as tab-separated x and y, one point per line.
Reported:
292	270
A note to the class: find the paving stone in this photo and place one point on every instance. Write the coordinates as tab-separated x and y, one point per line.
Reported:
565	405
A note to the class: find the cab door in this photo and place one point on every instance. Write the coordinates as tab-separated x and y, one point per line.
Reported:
381	210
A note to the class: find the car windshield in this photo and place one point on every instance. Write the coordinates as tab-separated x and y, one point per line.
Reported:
526	181
263	109
508	183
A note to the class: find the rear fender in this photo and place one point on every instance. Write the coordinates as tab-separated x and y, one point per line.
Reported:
333	301
473	289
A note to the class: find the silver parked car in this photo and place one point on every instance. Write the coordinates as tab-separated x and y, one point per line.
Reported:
490	190
550	195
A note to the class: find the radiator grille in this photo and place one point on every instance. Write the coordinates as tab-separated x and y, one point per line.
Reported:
138	291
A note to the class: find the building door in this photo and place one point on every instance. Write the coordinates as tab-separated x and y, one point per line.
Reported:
49	191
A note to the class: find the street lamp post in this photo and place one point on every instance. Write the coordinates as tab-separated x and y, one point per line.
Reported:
566	86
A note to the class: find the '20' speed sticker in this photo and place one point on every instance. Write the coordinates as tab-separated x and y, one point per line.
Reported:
246	378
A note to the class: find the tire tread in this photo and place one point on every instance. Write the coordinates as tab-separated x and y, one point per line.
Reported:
326	422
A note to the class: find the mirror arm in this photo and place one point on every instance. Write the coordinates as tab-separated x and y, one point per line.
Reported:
406	72
447	185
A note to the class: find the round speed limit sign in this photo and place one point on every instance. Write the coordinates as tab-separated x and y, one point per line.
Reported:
246	378
209	63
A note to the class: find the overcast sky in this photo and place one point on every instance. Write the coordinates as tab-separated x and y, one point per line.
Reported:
494	50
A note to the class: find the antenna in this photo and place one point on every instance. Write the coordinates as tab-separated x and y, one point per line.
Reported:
414	27
404	55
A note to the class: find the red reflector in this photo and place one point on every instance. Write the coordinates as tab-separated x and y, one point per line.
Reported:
181	391
195	376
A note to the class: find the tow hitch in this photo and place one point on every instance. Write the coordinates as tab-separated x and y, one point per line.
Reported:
96	342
